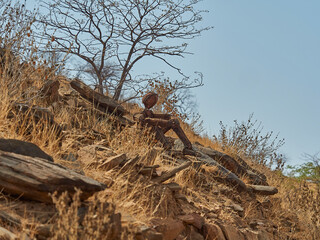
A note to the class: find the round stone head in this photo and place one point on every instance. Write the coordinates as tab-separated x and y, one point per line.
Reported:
150	99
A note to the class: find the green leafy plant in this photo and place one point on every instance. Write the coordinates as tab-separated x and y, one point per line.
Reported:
309	170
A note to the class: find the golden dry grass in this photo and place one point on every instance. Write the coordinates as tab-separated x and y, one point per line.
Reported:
294	210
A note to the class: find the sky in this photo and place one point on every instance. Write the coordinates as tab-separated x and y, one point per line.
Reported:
261	57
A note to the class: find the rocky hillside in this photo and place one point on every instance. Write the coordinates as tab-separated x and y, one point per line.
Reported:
73	165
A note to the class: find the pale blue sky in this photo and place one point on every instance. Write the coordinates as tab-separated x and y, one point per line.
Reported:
262	57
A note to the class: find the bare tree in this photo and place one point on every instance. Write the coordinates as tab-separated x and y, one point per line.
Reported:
108	73
122	31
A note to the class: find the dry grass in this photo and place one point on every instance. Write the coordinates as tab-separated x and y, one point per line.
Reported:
294	210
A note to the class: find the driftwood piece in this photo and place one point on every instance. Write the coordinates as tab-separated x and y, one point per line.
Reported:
263	190
98	99
172	172
231	164
36	178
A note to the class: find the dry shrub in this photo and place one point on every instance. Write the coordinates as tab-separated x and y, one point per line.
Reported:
247	140
91	221
296	206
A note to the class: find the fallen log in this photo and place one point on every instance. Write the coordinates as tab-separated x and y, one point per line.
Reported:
36	178
172	172
98	99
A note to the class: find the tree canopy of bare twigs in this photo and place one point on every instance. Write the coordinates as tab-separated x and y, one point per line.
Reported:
123	32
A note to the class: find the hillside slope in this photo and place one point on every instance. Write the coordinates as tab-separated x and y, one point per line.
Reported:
148	193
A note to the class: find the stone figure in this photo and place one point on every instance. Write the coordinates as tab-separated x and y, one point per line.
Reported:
162	123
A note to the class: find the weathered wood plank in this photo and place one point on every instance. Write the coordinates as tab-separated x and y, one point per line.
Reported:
36	178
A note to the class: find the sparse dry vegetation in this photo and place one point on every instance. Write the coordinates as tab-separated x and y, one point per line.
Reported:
132	201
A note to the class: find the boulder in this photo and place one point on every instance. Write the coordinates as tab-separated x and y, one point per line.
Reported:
232	233
23	148
213	231
101	101
36	178
193	219
170	228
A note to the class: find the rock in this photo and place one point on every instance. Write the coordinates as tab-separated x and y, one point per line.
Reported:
172	172
213	231
237	207
151	234
99	100
240	168
170	228
174	187
231	232
69	157
264	235
193	219
251	235
50	91
36	178
263	190
180	196
23	148
218	171
194	235
113	162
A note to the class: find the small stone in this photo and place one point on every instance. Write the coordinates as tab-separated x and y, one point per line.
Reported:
113	162
193	219
194	235
180	196
237	207
170	228
213	231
